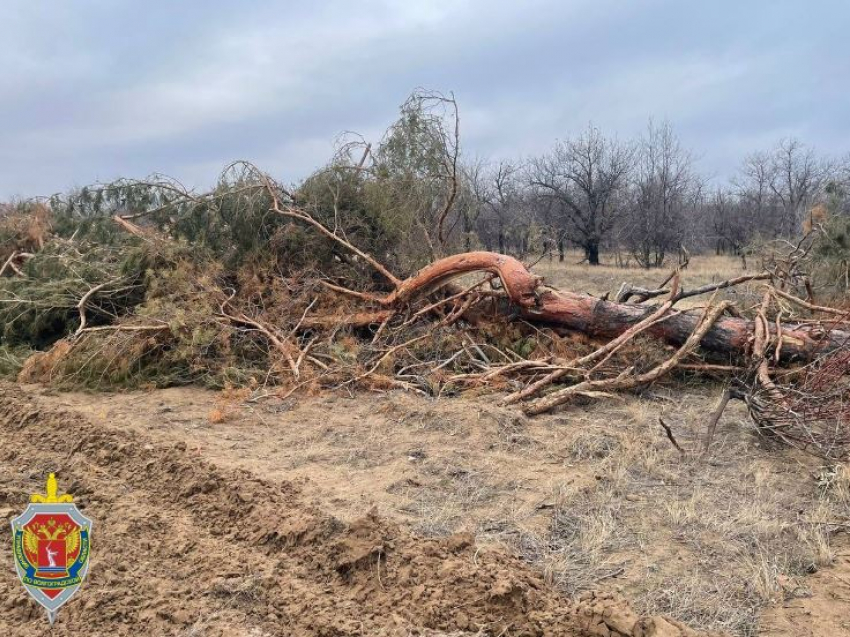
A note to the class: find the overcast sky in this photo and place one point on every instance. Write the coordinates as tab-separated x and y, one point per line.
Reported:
96	89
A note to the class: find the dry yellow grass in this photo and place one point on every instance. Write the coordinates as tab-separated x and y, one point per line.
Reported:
595	496
573	275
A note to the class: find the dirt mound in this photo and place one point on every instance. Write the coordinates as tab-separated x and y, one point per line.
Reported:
184	547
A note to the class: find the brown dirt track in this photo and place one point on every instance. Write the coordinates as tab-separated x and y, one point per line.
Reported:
185	547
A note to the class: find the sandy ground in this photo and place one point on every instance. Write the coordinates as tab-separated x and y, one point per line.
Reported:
187	545
391	514
819	606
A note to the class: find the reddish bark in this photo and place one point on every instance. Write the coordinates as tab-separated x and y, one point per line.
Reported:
606	319
729	335
519	282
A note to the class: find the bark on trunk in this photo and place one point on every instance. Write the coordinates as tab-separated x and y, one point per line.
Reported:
606	319
729	335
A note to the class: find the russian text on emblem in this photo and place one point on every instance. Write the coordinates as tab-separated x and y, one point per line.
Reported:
51	546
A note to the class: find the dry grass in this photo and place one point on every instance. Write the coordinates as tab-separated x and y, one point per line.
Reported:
595	496
607	277
709	543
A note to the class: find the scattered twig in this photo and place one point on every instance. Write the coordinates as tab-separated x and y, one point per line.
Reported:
81	306
626	382
671	437
9	263
715	418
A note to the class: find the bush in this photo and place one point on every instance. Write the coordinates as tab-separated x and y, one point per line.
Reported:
831	257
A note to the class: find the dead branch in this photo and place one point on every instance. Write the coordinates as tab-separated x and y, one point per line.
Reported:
10	263
809	306
715	418
132	228
641	294
125	328
386	355
711	368
621	382
761	340
81	306
366	151
279	343
712	287
671	437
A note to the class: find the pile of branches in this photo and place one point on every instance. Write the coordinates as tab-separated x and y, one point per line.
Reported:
250	285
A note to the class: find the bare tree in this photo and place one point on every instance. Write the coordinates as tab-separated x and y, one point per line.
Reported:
757	202
470	201
509	219
662	186
732	228
776	189
586	178
545	210
504	201
796	179
693	232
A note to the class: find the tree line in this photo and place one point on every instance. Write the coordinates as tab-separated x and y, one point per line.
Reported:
641	200
413	196
645	200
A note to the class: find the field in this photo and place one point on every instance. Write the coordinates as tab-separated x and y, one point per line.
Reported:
387	513
575	274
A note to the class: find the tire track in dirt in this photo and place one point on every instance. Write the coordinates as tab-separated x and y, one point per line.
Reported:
182	547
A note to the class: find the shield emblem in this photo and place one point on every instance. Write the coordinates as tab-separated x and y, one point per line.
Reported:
51	547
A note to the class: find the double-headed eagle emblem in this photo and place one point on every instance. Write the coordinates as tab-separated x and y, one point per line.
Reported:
66	532
51	546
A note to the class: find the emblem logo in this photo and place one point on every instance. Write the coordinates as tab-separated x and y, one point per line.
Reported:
51	545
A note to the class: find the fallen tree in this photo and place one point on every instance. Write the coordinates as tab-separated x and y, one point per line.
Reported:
465	321
604	319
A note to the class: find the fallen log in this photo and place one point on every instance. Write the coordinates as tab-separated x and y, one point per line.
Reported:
731	336
728	336
607	319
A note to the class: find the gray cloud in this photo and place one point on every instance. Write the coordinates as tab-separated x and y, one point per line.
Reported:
97	89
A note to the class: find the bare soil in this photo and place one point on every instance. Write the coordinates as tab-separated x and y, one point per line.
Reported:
391	514
184	545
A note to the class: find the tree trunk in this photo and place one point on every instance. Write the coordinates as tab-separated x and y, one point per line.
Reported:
606	319
593	253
